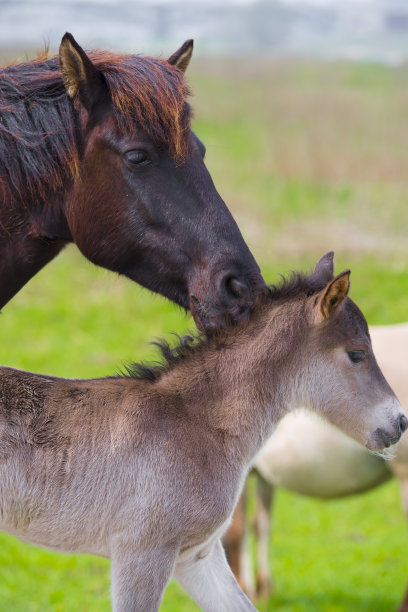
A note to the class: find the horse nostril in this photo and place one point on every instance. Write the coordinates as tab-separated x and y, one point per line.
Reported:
237	288
403	423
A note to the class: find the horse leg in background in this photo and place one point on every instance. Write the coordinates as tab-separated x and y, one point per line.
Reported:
264	500
404	496
235	544
400	469
208	580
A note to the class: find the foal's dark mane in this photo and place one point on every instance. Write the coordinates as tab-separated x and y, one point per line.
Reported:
295	285
38	124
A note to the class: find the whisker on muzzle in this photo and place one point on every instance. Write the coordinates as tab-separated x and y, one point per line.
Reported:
388	454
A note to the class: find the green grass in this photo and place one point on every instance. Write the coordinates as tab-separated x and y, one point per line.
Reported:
74	319
309	158
341	555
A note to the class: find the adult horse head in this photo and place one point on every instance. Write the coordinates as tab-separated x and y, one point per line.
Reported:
103	155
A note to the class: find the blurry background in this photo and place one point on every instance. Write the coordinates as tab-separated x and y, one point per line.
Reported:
324	29
303	107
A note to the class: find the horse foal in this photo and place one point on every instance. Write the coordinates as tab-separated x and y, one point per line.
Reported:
146	469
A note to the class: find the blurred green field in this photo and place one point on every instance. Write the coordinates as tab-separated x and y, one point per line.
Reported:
309	158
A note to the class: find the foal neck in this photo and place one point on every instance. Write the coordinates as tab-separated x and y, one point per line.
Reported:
237	383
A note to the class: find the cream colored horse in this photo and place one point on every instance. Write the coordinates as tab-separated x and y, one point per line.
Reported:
309	456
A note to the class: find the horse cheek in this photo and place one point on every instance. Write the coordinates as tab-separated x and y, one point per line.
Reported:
93	214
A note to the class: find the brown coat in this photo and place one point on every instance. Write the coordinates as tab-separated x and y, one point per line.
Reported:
147	470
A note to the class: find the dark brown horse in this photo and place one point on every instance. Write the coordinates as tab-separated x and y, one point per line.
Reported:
97	149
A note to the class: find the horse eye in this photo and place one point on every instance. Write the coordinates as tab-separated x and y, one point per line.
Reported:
137	157
356	356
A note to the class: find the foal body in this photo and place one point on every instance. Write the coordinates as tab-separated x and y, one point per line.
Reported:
114	468
147	470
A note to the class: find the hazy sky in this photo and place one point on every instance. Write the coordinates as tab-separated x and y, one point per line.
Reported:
320	2
158	2
326	1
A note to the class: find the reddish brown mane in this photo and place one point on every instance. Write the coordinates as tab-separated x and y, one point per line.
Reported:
38	146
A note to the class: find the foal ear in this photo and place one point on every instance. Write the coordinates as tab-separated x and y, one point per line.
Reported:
181	58
324	269
333	295
83	82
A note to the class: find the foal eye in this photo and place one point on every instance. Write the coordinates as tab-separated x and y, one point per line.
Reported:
356	356
137	157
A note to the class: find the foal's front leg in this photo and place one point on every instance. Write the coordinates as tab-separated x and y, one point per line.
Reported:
140	578
210	582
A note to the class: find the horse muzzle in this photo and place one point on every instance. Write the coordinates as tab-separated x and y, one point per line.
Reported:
385	437
223	302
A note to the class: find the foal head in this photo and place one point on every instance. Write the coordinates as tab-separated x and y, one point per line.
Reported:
143	203
339	375
306	344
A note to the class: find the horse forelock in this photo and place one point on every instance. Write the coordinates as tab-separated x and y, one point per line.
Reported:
149	93
38	149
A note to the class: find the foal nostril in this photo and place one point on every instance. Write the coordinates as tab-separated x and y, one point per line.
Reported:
403	423
237	288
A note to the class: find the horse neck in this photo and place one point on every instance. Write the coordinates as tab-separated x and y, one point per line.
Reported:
29	239
21	259
33	181
242	390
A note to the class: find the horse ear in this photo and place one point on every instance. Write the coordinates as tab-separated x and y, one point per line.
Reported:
333	295
83	82
324	269
181	58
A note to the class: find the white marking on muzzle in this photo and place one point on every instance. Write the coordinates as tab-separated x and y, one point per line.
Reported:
384	424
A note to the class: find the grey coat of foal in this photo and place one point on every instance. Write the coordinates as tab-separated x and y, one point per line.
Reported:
146	469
